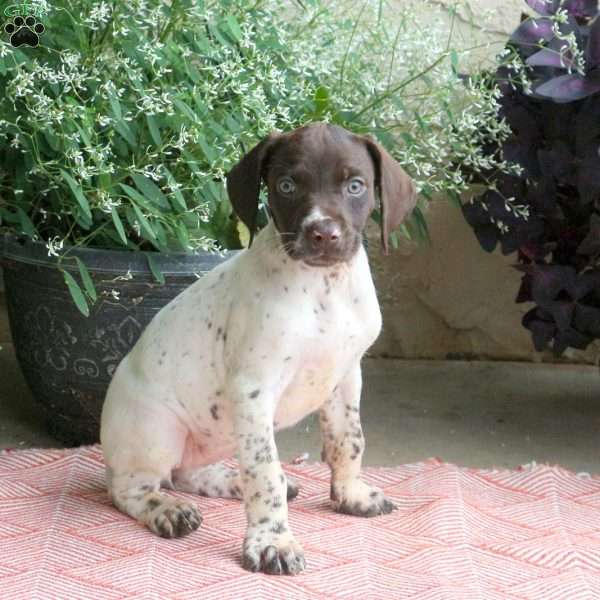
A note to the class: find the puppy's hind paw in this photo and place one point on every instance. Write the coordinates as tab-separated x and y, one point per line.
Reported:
173	518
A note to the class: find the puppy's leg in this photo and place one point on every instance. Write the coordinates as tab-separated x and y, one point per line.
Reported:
214	481
269	545
137	494
142	443
343	446
218	481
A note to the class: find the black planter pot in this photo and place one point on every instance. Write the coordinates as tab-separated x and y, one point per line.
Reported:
68	359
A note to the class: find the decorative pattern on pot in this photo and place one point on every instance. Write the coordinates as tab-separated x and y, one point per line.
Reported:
115	340
48	340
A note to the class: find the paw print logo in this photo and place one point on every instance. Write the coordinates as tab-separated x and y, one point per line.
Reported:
24	32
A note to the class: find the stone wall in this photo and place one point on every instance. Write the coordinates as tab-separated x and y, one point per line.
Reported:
450	299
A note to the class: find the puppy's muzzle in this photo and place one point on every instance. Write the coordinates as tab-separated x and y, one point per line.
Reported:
322	236
322	242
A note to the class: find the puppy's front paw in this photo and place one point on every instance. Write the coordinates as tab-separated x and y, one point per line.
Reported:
357	498
275	554
172	518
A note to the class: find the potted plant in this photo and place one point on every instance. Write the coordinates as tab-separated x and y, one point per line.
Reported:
118	125
548	212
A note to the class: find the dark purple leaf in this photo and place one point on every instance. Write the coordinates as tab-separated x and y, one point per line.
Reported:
587	319
570	27
581	8
542	197
475	213
548	281
592	51
523	123
524	294
557	120
487	236
532	31
524	155
587	127
512	240
568	88
585	283
556	162
562	311
590	246
541	331
570	338
544	7
503	77
532	250
544	315
588	180
551	58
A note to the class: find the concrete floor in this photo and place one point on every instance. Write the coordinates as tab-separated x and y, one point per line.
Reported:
470	413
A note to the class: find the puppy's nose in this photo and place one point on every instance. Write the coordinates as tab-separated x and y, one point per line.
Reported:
323	233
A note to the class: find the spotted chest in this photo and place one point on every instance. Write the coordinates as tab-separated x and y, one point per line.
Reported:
332	342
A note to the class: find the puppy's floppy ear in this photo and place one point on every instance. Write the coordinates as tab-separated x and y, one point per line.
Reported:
243	182
397	192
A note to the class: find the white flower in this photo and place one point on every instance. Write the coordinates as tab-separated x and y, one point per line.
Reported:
99	16
54	246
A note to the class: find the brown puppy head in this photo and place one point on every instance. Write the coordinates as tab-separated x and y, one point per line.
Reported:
322	182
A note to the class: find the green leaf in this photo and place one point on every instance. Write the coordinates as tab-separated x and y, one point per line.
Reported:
405	231
177	196
83	133
232	125
125	132
26	224
321	100
139	199
216	34
76	294
144	224
182	235
454	197
52	140
87	280
234	27
185	109
159	232
150	190
421	223
156	272
154	130
454	60
78	193
105	180
118	225
206	148
115	105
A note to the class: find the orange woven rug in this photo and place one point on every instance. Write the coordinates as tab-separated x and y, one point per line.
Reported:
458	534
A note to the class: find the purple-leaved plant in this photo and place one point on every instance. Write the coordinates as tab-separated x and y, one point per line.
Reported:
550	214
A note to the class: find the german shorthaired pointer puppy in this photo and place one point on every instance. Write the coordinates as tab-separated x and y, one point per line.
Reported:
269	336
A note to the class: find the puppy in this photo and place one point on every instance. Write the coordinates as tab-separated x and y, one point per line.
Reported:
269	336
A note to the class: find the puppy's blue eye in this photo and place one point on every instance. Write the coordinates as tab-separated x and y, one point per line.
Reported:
356	186
286	185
